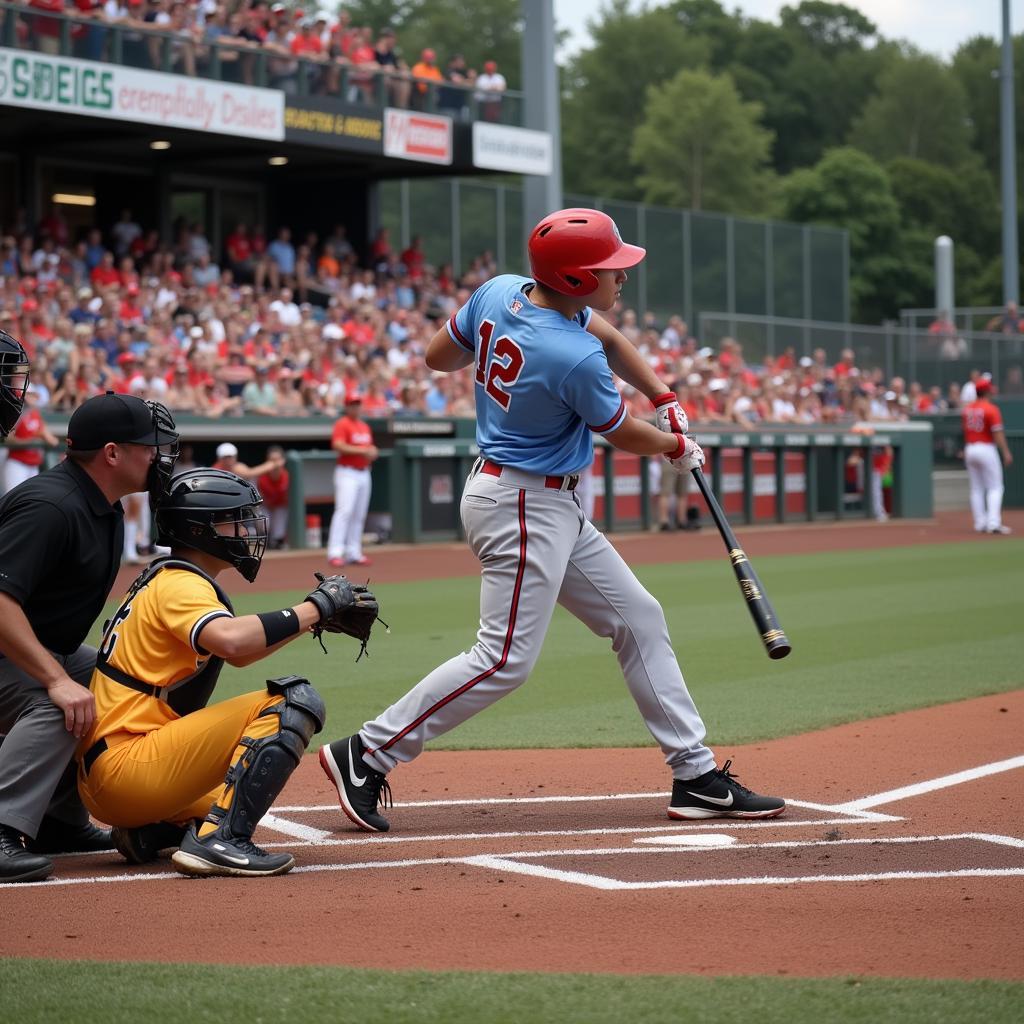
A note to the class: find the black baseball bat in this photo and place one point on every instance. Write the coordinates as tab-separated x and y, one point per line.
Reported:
775	641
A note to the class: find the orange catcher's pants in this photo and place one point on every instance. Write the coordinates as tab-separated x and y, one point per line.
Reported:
176	772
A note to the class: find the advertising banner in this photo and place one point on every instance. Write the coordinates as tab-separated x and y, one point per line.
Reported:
412	136
500	147
312	120
68	85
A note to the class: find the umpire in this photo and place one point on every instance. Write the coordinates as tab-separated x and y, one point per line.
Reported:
61	535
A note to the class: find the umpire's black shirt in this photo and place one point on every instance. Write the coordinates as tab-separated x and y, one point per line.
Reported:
60	549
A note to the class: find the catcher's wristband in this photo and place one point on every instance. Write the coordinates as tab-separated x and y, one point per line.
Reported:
666	399
278	626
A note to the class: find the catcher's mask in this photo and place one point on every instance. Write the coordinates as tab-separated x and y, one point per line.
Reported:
214	511
13	382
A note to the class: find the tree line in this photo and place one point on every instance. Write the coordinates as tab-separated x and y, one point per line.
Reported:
815	119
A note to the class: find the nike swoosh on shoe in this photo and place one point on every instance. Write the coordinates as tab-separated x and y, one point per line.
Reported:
355	779
722	801
222	850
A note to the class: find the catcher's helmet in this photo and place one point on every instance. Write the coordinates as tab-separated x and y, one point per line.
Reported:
198	501
565	247
14	370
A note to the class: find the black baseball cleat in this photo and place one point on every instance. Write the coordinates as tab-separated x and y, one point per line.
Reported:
144	844
718	794
18	864
59	837
217	854
360	788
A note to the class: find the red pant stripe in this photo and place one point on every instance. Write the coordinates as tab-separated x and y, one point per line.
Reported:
500	663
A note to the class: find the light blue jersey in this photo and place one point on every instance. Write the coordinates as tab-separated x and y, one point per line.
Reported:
542	382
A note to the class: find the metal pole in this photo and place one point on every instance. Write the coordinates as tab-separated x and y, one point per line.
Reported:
1008	146
541	108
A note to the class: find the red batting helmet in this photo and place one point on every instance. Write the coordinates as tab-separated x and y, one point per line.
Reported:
565	247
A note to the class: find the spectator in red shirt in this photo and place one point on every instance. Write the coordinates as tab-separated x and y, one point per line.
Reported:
412	259
46	31
105	274
130	312
364	57
845	364
273	486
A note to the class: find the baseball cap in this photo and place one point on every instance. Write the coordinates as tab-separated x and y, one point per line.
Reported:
121	419
226	450
126	357
353	397
983	386
490	66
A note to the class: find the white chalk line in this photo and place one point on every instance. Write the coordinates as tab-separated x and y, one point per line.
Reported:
513	862
931	785
716	824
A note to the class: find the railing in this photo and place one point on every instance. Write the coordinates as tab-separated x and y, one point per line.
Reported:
916	355
140	45
966	318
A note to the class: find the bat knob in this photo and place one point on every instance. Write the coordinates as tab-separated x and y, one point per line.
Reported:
779	648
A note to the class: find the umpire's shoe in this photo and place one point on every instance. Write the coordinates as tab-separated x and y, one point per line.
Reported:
718	794
218	854
16	863
60	837
144	844
360	788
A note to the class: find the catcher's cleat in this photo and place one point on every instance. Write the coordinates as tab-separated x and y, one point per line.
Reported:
217	854
360	788
718	794
59	837
144	844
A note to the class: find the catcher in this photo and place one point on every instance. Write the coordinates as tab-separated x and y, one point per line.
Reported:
157	758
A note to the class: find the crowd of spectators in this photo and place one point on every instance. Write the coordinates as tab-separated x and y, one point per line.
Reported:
254	42
284	329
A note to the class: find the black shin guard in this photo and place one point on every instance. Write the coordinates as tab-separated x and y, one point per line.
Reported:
260	773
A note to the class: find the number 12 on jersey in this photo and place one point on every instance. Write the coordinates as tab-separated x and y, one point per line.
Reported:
498	368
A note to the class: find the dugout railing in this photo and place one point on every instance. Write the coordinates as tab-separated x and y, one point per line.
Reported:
771	475
780	474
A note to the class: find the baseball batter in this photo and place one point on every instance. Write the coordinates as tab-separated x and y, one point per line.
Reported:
543	363
983	435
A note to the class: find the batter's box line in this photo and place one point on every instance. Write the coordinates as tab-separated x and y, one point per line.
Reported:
306	835
513	863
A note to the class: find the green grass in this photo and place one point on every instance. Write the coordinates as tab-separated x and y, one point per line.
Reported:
45	991
873	632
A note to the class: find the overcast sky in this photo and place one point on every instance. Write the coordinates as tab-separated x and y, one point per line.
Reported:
935	26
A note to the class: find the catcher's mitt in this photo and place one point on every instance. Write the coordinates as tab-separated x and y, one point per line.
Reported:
344	608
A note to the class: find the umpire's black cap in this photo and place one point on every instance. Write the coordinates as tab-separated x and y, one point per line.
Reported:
122	419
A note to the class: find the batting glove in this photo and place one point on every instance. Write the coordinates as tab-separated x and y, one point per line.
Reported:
687	456
671	416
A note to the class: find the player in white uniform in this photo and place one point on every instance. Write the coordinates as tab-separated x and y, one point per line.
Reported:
984	442
543	365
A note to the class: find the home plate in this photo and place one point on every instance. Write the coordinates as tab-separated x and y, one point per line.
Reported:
702	839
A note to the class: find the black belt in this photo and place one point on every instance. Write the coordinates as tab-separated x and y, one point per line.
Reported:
99	747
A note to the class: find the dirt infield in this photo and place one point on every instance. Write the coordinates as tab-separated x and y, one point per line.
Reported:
565	861
901	854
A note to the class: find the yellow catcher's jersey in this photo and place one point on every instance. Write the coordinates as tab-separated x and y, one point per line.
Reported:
152	639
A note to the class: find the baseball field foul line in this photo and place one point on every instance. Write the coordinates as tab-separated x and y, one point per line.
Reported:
929	786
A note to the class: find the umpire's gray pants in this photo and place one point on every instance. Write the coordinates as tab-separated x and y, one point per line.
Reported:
37	775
